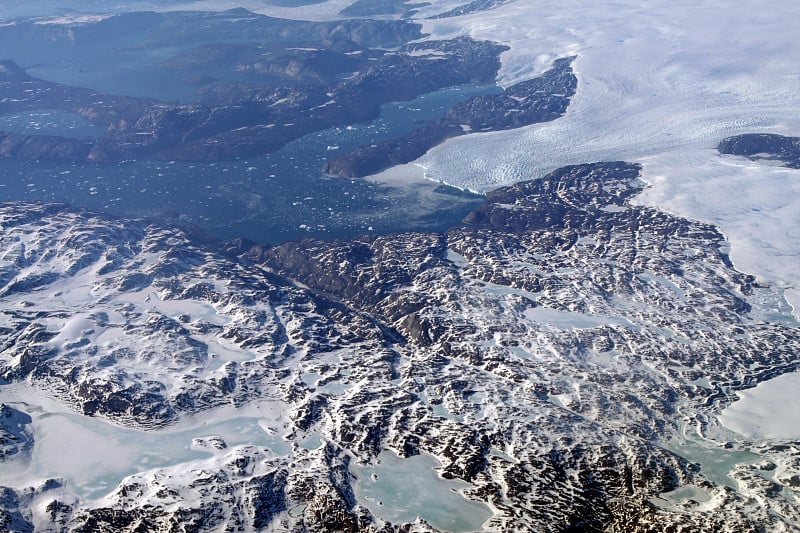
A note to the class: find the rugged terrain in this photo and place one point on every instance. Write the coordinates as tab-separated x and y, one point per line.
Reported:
540	99
264	82
553	353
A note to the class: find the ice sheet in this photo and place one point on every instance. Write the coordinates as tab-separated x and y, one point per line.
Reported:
660	84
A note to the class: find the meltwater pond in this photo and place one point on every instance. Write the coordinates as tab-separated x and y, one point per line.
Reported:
400	490
716	462
274	198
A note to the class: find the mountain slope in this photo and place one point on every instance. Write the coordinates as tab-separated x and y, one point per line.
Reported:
553	354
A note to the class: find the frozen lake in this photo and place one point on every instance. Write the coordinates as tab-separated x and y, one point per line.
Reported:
573	320
94	455
770	410
716	463
400	490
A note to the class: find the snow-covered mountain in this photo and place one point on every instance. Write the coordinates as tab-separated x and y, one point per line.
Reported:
564	355
607	346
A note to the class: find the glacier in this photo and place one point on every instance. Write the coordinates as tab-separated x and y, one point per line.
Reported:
660	84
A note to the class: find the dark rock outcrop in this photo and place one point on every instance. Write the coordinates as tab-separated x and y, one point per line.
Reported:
540	99
767	146
16	435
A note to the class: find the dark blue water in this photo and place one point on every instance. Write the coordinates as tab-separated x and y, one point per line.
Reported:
272	199
50	123
278	197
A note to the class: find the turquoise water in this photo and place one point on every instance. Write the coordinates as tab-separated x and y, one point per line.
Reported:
400	489
716	463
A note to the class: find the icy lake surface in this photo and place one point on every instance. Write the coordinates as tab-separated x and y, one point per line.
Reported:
771	410
94	456
572	320
716	463
97	455
400	490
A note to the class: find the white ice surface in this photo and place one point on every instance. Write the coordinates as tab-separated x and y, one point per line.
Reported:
94	455
771	410
660	83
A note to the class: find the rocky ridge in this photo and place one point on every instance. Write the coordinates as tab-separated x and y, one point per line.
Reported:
549	353
16	437
263	83
114	340
763	146
540	99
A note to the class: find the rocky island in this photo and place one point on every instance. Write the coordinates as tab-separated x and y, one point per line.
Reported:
764	146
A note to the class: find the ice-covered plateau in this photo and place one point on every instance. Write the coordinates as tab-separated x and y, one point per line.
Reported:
549	353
